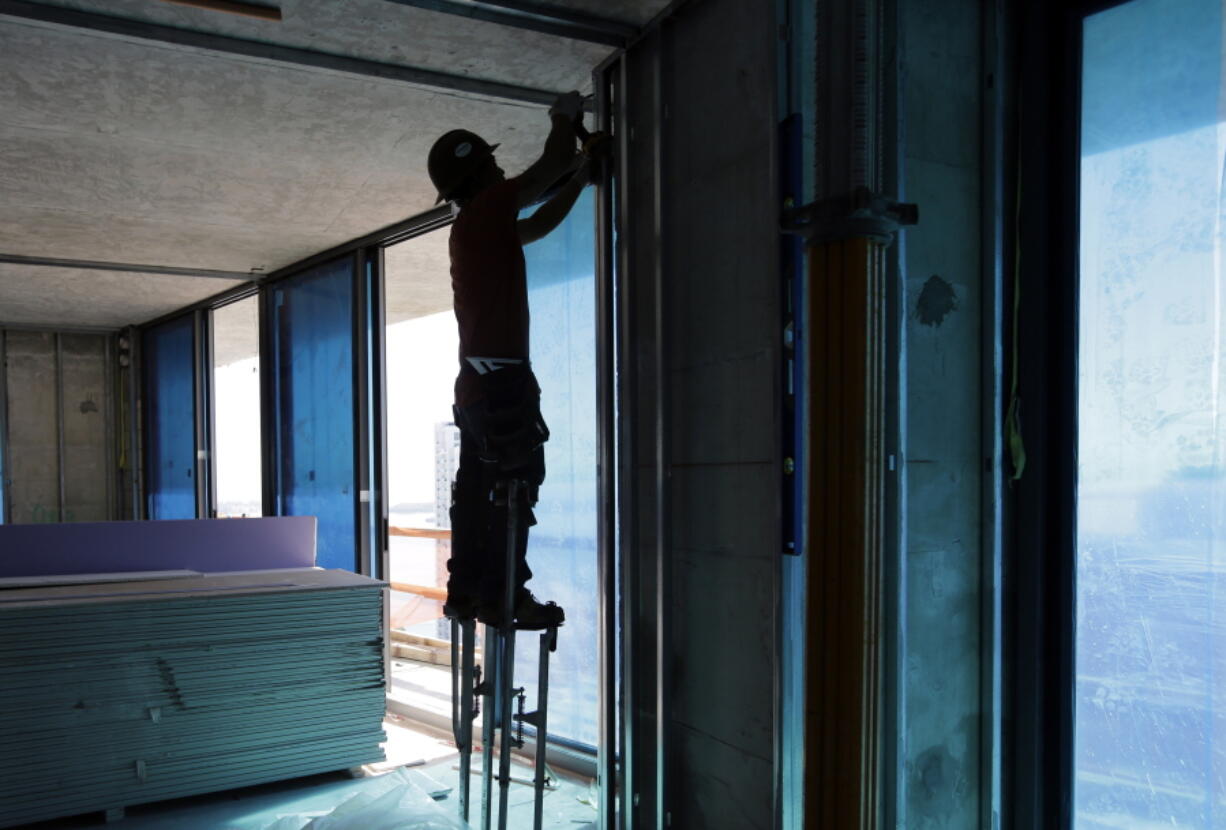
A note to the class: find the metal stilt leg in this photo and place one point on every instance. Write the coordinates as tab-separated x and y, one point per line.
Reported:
539	719
489	690
457	706
507	659
494	682
469	629
464	679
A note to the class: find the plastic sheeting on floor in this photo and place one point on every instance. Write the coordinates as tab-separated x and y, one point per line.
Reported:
395	801
125	693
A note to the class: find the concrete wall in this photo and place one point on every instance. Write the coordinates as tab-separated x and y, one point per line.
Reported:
720	323
940	689
59	414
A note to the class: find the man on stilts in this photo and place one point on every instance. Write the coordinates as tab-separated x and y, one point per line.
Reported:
497	398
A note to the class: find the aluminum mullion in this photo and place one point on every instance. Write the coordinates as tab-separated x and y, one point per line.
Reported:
606	538
663	576
136	464
59	419
209	415
108	419
361	412
5	490
202	413
627	439
270	441
380	485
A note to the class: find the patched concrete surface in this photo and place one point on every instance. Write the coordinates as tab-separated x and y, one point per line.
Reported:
940	722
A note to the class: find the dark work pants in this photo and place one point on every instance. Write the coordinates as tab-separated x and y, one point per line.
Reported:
478	522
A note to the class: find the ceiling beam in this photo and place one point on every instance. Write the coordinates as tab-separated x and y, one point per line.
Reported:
288	55
96	265
259	12
536	17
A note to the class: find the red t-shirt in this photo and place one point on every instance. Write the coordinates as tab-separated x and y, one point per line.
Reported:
488	282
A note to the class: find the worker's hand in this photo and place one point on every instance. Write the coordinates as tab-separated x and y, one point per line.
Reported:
599	146
569	105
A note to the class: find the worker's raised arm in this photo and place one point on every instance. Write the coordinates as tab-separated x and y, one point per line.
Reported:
559	155
549	215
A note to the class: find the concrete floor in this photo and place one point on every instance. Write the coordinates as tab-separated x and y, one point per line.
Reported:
570	806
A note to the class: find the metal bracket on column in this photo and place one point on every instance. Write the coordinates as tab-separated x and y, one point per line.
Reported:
861	213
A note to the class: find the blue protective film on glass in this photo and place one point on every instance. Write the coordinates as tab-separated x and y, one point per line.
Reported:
1150	740
562	546
170	420
313	377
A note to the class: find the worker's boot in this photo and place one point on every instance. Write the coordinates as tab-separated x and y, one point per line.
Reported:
532	615
462	606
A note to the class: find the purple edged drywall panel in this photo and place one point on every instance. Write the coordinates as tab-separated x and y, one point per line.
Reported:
206	545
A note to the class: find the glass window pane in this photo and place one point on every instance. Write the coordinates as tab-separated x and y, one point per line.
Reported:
313	365
562	546
170	426
236	409
423	452
422	440
1150	698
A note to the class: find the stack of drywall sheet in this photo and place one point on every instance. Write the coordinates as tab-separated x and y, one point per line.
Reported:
114	694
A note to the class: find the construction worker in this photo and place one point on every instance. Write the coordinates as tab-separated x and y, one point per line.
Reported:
497	398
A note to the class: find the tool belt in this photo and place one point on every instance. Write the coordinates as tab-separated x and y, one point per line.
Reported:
505	423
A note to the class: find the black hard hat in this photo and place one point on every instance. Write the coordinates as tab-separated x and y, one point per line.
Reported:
454	158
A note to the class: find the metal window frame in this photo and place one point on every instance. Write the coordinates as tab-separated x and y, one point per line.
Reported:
1039	562
536	17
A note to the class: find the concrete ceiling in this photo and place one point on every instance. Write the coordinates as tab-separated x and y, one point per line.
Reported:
418	277
118	149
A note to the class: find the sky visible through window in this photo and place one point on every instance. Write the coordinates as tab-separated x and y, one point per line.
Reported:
1150	739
